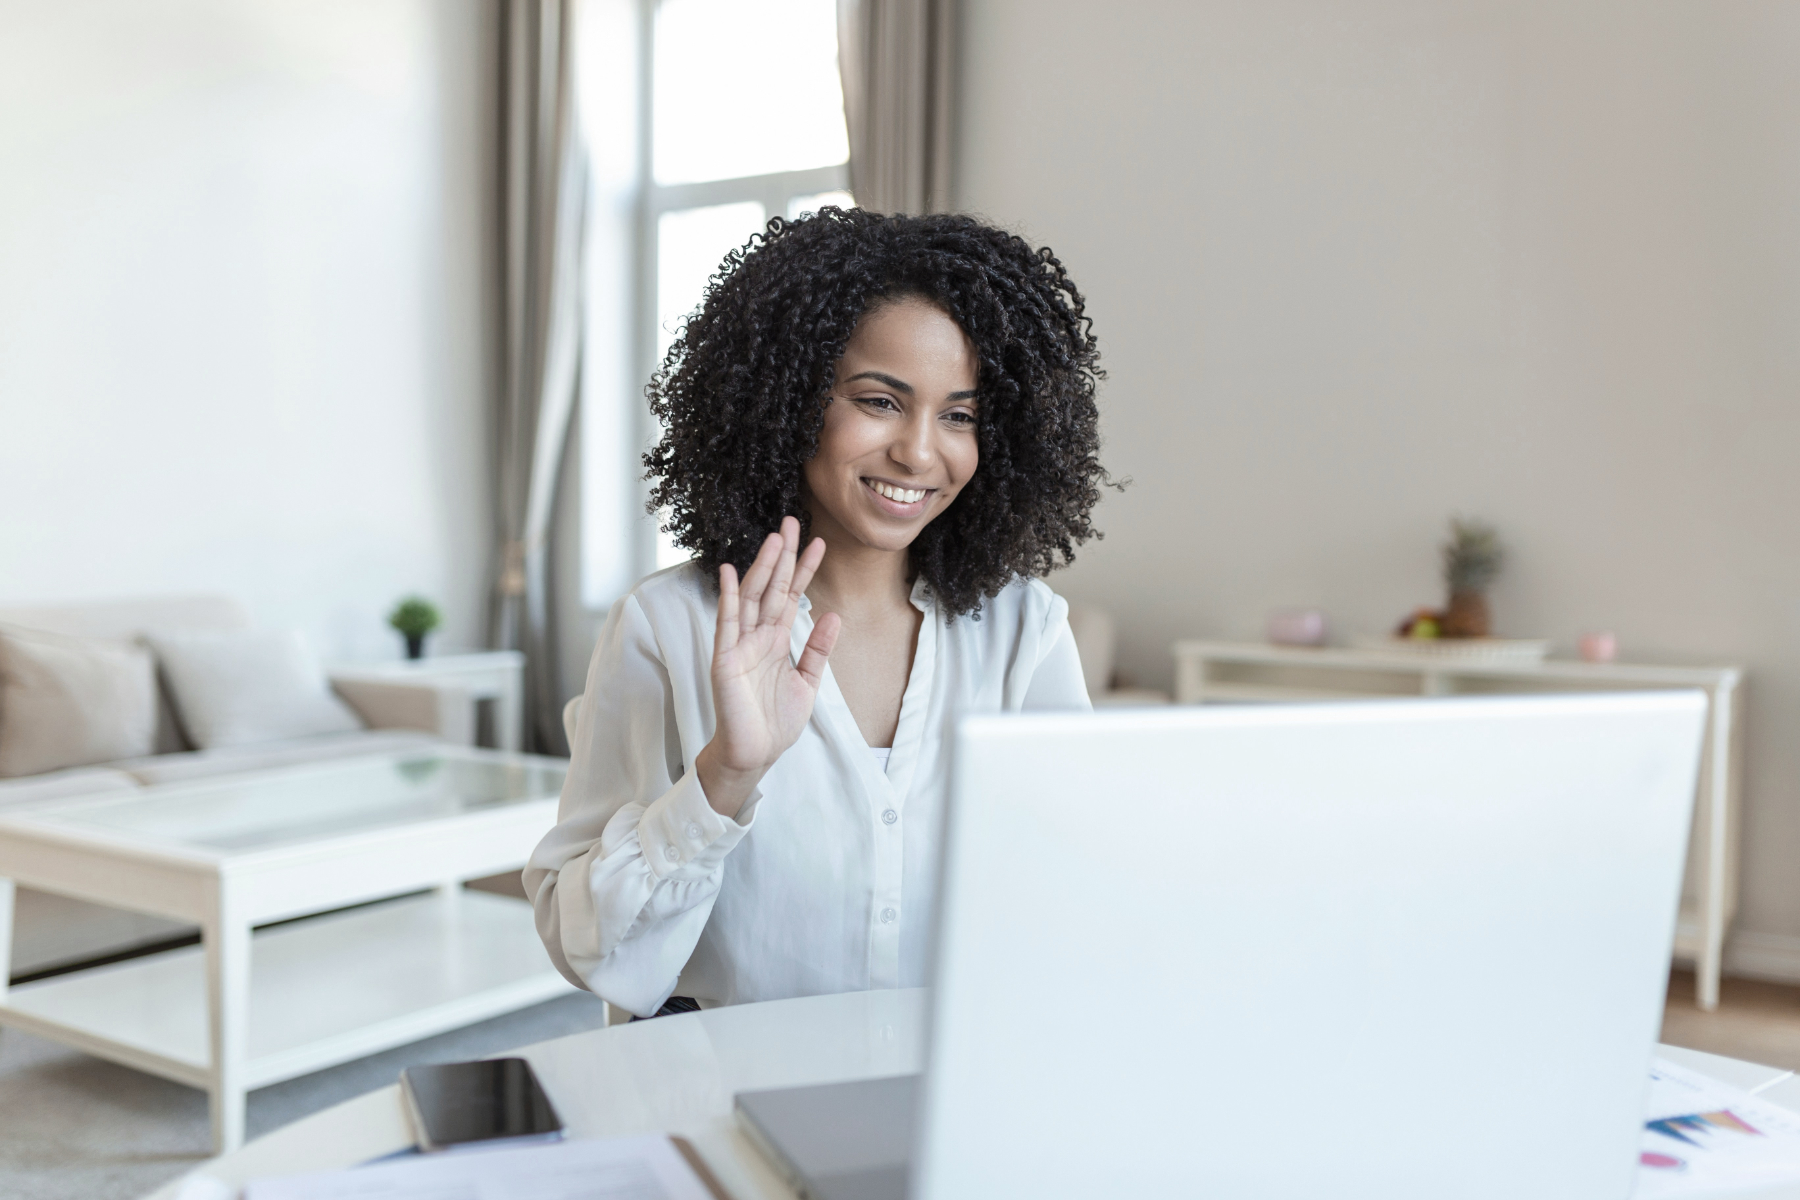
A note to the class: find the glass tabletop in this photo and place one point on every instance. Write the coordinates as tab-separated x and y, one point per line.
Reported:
319	802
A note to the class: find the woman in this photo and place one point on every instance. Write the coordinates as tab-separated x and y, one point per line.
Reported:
913	399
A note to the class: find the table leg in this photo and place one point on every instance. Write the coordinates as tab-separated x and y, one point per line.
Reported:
450	895
452	964
1715	796
6	933
228	1016
509	711
1190	679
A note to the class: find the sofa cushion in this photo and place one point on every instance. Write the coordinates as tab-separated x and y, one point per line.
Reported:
239	689
72	702
204	764
127	620
58	785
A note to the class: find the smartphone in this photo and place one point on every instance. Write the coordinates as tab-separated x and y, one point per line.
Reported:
492	1102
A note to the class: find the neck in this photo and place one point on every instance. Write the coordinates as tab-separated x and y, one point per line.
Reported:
856	577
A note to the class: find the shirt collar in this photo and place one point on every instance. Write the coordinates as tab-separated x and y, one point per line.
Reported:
920	597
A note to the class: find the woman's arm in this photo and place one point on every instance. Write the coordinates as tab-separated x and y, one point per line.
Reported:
1057	684
624	884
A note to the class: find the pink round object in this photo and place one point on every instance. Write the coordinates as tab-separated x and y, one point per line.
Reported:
1598	647
1297	627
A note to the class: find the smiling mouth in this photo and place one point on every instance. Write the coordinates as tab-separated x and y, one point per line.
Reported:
899	495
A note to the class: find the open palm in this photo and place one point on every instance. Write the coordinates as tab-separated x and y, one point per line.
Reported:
762	699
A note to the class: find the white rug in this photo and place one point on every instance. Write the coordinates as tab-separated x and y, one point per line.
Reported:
74	1127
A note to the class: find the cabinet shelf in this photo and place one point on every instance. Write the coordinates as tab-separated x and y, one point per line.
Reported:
1209	672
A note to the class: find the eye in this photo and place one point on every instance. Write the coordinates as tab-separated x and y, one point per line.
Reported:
882	403
960	418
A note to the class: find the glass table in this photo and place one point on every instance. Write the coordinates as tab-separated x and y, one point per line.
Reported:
251	1006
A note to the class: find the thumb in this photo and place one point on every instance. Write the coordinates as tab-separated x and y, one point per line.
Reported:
818	649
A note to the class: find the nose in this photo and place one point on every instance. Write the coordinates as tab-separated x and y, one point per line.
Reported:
914	446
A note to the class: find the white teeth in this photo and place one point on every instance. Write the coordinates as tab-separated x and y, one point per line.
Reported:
903	495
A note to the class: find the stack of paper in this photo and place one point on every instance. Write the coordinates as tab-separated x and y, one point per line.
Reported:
1703	1137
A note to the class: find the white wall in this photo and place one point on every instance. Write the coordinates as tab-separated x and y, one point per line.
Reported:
1358	266
241	334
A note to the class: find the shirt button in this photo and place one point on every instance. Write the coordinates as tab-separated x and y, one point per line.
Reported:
888	915
889	817
671	853
693	830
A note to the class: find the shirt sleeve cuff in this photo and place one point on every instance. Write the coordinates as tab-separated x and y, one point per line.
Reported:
680	829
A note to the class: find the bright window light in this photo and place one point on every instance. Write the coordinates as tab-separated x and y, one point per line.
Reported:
746	122
668	554
746	89
800	206
690	245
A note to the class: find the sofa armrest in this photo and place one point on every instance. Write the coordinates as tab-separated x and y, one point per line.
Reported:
444	709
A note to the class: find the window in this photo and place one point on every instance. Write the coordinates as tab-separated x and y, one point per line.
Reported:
746	88
748	122
737	116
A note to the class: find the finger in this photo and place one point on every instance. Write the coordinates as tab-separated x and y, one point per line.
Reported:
756	579
778	598
818	649
808	565
726	635
803	574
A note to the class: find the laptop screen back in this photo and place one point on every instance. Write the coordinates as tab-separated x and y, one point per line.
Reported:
1407	949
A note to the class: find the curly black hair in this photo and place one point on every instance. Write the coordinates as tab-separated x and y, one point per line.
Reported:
742	392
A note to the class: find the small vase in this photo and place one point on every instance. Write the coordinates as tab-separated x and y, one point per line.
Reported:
415	645
1466	616
1296	627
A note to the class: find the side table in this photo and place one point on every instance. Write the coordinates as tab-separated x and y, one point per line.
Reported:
497	675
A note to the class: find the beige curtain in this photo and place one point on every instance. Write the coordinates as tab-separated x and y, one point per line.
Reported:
895	57
543	194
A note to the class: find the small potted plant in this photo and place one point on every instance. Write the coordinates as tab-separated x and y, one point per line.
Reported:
415	617
1472	560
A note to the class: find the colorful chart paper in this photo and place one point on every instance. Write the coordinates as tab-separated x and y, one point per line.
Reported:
1703	1137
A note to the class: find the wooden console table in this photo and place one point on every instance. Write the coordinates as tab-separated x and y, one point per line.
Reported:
1235	673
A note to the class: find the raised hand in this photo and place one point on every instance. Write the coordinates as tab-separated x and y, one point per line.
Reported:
762	699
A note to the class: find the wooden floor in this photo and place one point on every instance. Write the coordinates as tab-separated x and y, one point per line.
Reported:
1754	1020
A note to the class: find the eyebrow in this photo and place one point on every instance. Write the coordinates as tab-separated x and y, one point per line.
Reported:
900	385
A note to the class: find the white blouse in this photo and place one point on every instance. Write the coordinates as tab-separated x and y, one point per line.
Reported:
824	881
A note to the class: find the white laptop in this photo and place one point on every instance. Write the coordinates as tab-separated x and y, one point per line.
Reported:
1407	950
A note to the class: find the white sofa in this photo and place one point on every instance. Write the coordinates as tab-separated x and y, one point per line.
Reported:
50	931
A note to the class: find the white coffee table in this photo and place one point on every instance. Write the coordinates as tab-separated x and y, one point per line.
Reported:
239	1012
